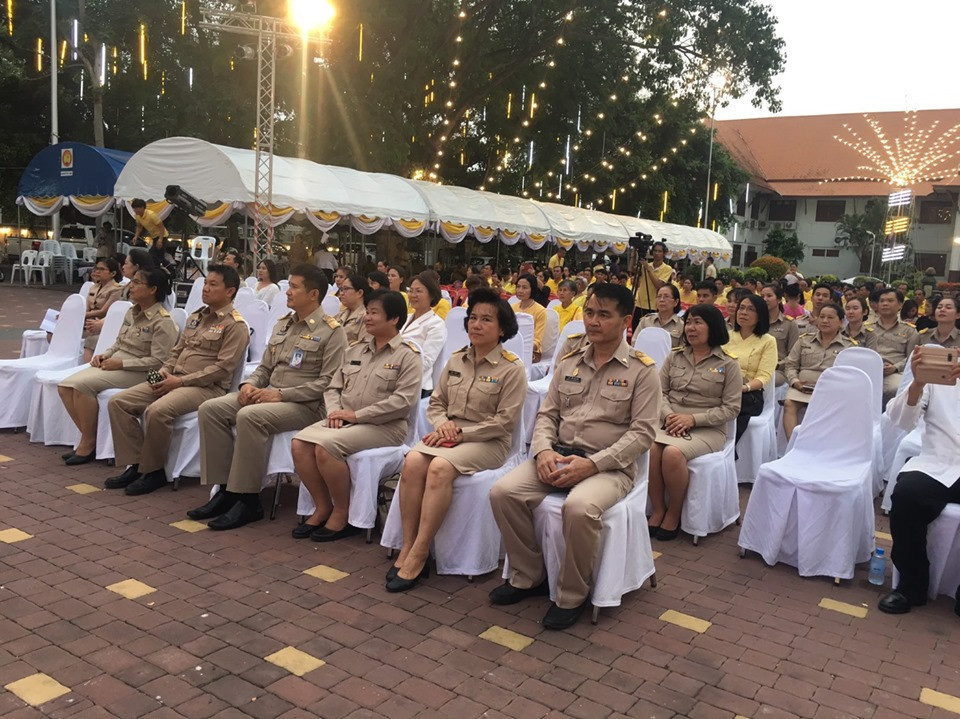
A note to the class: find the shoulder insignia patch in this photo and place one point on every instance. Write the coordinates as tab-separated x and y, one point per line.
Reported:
728	353
462	349
642	357
924	331
868	328
679	348
853	341
576	335
331	322
163	312
808	334
788	318
411	345
576	351
237	316
356	342
509	356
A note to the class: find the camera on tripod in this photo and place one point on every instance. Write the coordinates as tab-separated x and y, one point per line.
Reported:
642	243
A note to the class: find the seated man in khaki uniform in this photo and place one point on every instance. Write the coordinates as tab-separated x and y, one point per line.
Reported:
599	416
893	338
283	394
200	367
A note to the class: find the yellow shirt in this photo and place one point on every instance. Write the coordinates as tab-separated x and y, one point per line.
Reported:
646	294
580	300
555	261
442	308
808	298
757	356
573	312
552	284
688	298
508	287
152	224
539	314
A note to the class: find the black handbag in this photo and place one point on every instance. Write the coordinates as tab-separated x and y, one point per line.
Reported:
751	403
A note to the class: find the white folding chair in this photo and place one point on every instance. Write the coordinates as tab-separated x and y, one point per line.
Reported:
468	542
201	251
624	559
195	298
69	259
16	376
713	501
330	305
943	552
48	421
758	444
89	254
27	259
655	342
813	508
43	265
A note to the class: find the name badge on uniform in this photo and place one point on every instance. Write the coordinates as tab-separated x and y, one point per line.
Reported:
453	373
571	378
144	330
716	370
355	362
489	380
617	383
388	365
297	359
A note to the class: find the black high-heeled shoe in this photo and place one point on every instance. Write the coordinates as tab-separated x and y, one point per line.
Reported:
392	572
77	459
399	584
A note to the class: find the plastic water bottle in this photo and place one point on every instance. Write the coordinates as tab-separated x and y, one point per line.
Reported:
878	568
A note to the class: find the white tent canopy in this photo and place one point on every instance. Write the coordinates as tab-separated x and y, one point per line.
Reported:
327	196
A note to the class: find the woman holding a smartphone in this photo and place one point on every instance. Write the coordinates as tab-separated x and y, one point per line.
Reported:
473	410
945	333
811	355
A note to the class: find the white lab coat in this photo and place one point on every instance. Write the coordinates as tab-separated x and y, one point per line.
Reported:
430	332
940	450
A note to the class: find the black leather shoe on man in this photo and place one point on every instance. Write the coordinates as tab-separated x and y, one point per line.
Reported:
898	603
557	618
218	504
146	483
506	593
123	480
242	512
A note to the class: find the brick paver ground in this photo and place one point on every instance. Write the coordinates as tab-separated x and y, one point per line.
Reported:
210	636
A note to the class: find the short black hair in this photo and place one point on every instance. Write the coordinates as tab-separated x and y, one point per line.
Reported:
793	292
394	306
662	245
763	314
137	203
886	291
141	259
506	317
231	279
272	271
379	277
113	267
775	287
940	298
531	280
313	278
717	333
428	280
835	306
158	279
473	282
618	293
822	286
708	285
907	307
359	283
399	270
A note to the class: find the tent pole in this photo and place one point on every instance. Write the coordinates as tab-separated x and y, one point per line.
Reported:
54	111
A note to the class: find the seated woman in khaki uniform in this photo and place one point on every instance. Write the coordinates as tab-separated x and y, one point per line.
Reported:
143	343
666	317
353	293
702	386
368	403
945	333
105	291
473	409
813	353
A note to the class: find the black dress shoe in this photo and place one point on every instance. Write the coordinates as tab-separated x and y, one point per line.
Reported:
303	531
557	618
239	514
399	584
76	459
67	455
392	572
506	593
653	530
666	535
218	504
894	603
122	480
322	534
146	483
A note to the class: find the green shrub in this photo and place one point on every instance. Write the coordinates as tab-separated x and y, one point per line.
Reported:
829	279
729	273
756	273
773	266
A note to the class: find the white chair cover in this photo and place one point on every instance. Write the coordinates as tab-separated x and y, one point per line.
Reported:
195	298
813	508
104	433
552	303
331	305
251	282
624	558
943	551
758	444
284	286
909	446
551	345
48	421
257	314
33	343
179	316
243	296
525	322
780	396
468	542
537	388
871	363
85	289
890	434
16	376
513	299
713	500
654	342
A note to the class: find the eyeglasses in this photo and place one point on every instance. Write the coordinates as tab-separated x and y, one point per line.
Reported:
137	282
344	288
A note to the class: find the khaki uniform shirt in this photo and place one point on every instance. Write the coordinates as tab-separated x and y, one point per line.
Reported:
145	338
895	344
483	396
929	337
301	357
211	346
379	385
674	326
784	331
611	412
710	390
810	357
99	295
864	337
352	321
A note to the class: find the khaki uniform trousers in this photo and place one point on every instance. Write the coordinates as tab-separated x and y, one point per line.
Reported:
93	380
516	495
148	446
240	463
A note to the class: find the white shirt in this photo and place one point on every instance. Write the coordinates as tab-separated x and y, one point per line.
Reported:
940	450
325	260
430	332
268	293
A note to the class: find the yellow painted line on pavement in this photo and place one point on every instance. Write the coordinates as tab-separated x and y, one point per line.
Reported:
507	638
852	610
694	624
295	661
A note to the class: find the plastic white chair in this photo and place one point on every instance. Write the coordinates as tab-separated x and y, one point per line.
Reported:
713	501
330	305
201	251
195	298
758	445
655	342
943	552
468	542
872	364
16	376
257	315
553	303
251	282
28	259
813	508
624	558
48	421
551	344
124	248
89	254
51	246
525	323
284	286
66	260
43	265
446	295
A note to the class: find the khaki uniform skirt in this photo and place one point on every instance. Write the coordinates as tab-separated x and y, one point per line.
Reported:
703	440
341	443
94	380
470	457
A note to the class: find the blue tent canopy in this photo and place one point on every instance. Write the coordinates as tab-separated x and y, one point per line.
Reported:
72	168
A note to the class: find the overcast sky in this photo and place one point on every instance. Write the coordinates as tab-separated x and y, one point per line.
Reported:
864	56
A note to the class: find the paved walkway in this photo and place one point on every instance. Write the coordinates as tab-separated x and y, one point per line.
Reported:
112	606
